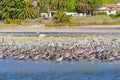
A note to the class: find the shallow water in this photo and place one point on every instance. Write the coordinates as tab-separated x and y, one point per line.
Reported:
56	33
21	70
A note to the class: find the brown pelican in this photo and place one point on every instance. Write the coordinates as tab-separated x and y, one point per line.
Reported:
68	56
59	58
21	56
1	56
36	57
92	57
47	56
15	56
111	58
74	56
26	57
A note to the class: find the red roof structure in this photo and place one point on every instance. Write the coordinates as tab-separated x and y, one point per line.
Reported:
111	5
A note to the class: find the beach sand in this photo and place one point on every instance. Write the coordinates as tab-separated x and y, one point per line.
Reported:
42	28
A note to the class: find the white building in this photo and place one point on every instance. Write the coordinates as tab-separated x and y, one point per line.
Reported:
110	8
44	15
51	13
48	14
71	13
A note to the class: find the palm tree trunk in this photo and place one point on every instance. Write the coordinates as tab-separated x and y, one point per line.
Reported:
92	13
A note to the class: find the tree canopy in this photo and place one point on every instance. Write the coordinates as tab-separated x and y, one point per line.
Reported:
18	9
87	5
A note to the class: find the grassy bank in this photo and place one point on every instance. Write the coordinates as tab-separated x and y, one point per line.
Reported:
90	20
76	21
14	25
96	18
81	24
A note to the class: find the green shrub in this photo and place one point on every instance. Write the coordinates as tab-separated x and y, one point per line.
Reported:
81	24
8	20
101	13
15	21
118	13
39	20
113	15
61	17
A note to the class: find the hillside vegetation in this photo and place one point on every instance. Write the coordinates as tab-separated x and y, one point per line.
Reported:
18	11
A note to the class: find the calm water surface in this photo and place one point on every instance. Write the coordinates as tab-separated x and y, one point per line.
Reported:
21	70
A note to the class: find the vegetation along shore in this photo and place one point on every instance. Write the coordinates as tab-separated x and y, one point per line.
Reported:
60	13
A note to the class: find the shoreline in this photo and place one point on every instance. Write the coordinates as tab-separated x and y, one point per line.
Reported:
77	30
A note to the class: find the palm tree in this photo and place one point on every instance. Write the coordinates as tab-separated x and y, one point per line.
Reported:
61	17
87	5
54	4
71	5
27	11
62	4
4	3
58	4
94	5
82	5
20	9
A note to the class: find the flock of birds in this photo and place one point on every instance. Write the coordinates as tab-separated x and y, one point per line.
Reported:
62	51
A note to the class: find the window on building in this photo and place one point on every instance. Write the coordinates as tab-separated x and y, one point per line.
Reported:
109	11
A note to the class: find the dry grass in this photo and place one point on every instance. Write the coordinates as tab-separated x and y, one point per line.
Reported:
81	24
91	20
96	18
56	24
14	25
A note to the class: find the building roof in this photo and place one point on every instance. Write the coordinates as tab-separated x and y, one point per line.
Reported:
111	5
